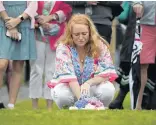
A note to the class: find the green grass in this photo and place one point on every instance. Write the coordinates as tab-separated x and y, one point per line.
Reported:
24	115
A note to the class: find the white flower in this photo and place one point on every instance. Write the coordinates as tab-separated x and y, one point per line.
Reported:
73	108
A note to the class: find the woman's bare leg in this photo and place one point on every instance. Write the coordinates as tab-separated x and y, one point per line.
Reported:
3	66
144	68
49	104
35	103
15	80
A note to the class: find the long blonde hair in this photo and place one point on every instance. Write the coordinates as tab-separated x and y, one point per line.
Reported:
92	46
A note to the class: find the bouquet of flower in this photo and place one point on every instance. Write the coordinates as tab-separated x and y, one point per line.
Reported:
88	103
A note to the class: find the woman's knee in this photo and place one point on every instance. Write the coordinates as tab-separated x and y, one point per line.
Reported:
106	92
62	97
18	66
36	69
3	65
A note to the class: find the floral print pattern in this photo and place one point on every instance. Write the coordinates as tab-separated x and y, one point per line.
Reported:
67	67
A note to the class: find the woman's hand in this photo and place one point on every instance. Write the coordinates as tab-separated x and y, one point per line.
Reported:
12	23
36	25
13	34
46	26
43	19
7	19
138	9
85	89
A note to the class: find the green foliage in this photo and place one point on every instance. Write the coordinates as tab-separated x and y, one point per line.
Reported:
24	115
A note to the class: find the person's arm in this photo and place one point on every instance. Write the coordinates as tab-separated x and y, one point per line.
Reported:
61	15
64	70
75	87
85	88
138	8
1	6
13	32
96	80
64	12
123	17
105	67
104	70
3	13
4	16
30	12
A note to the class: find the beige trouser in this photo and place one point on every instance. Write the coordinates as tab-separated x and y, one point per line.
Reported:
42	71
63	96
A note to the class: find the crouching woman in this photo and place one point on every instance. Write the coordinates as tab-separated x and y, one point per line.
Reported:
83	65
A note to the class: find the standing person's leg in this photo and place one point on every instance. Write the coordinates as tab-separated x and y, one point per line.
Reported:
36	74
49	70
3	66
105	31
147	56
144	68
17	73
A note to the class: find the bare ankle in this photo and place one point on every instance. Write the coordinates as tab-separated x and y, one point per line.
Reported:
35	103
49	104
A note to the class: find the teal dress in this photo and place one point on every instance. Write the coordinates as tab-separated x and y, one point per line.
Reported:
17	50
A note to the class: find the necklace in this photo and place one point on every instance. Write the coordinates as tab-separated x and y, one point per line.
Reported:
81	56
81	60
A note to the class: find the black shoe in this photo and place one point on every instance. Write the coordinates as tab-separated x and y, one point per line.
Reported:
118	102
2	106
116	105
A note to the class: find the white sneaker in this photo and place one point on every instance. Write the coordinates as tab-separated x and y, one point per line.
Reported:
11	106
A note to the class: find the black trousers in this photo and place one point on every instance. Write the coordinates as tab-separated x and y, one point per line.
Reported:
105	31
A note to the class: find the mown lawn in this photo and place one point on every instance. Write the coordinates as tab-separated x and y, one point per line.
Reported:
24	115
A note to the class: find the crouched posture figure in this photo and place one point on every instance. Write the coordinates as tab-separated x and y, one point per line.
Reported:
83	65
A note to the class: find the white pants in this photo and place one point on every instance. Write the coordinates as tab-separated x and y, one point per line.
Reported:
42	71
63	96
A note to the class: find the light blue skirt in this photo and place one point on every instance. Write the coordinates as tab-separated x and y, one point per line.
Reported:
24	49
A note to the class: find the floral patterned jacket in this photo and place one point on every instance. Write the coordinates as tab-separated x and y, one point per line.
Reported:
67	67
